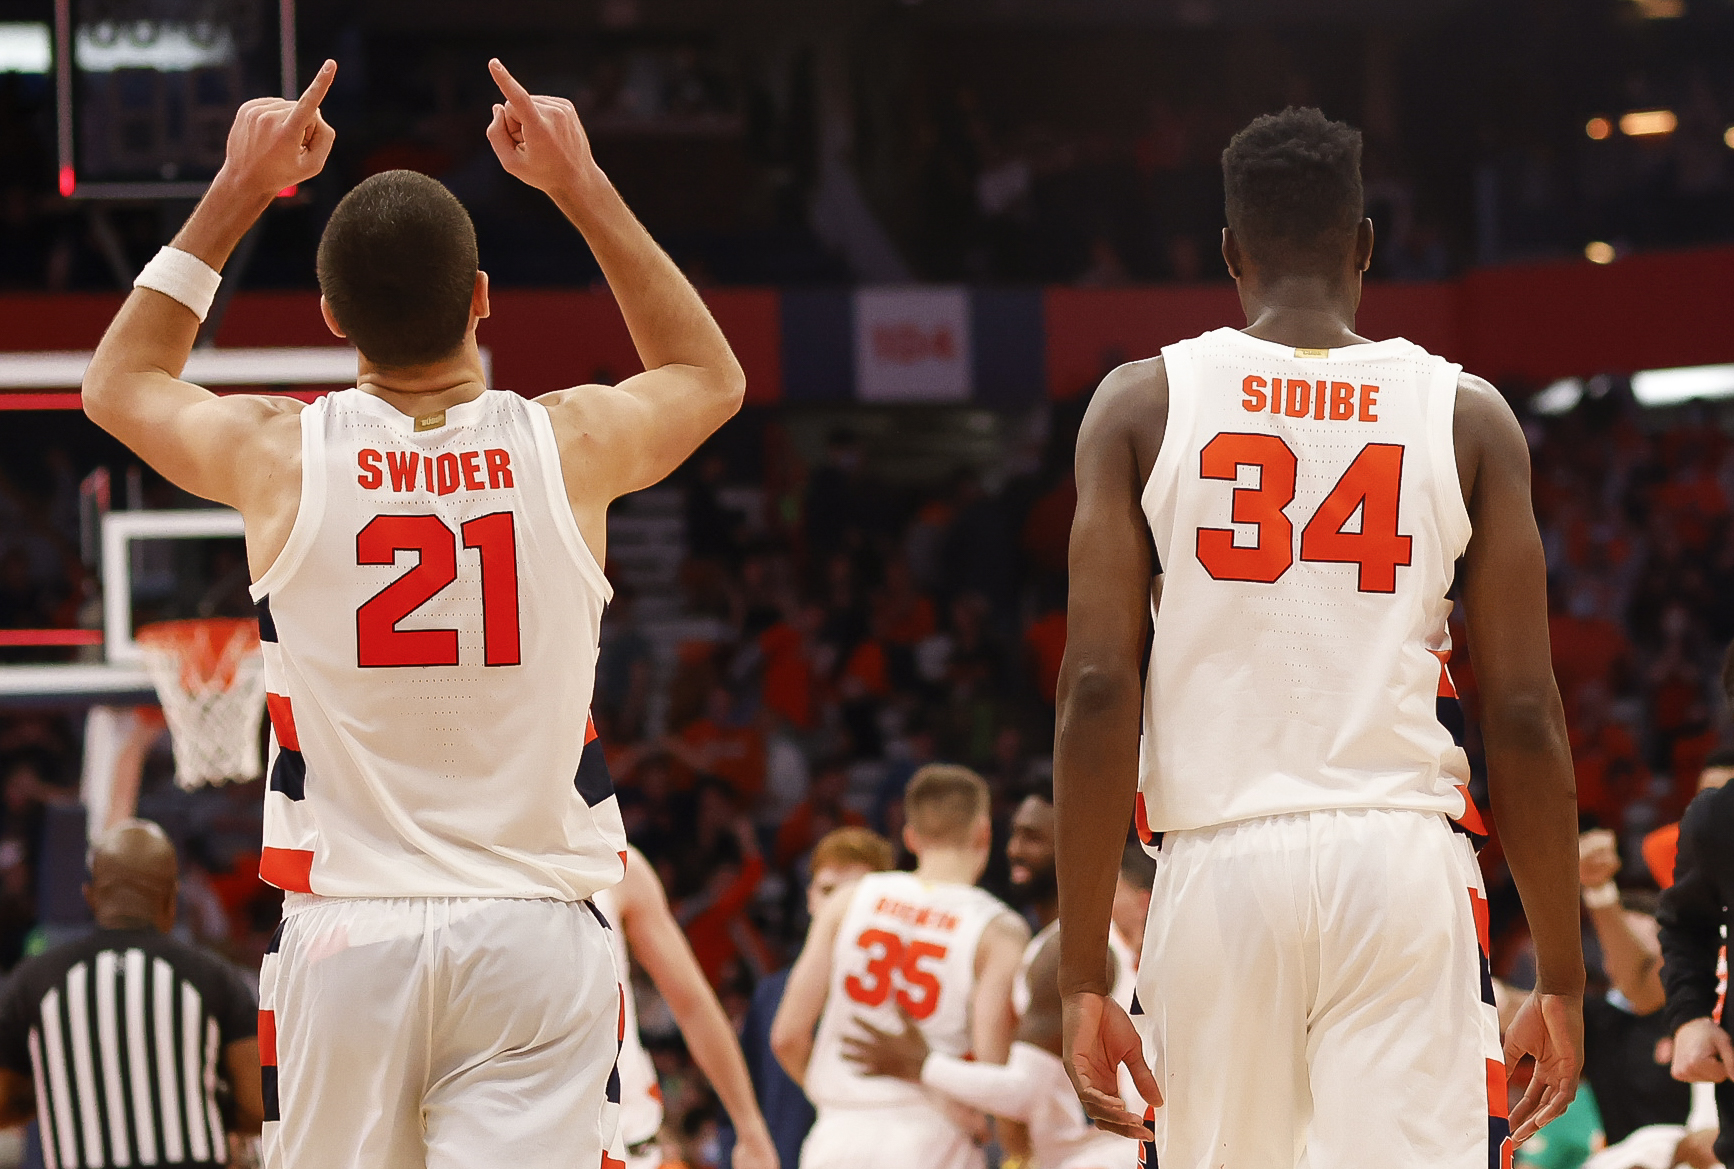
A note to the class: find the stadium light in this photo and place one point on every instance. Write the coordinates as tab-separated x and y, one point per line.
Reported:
1598	128
1561	397
1600	252
168	48
25	47
1670	387
1648	123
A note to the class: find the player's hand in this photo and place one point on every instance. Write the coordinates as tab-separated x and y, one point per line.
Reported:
538	139
888	1053
755	1151
1099	1038
1698	1150
1703	1053
276	143
1598	858
1548	1028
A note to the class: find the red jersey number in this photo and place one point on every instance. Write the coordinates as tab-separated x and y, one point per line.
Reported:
890	958
378	640
1372	486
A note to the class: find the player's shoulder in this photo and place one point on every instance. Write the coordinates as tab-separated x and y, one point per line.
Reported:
1709	818
1132	388
1483	422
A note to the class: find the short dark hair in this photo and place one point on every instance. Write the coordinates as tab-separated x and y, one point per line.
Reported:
1720	757
397	263
1292	187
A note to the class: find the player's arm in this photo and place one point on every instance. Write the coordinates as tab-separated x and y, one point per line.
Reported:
992	1021
207	445
241	1061
804	994
1529	771
1097	727
1006	1090
661	948
629	436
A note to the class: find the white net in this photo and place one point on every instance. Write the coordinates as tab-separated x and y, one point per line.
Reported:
210	678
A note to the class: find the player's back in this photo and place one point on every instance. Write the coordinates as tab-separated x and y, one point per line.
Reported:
430	636
903	943
1307	516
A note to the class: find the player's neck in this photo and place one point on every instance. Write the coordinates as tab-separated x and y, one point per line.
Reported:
424	389
954	866
1303	312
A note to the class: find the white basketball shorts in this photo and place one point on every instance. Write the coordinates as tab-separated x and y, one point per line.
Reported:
1315	991
889	1138
446	1033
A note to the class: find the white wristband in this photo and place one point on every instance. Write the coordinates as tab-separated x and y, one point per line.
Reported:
1601	896
181	276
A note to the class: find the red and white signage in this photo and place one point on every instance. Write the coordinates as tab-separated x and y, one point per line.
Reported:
912	345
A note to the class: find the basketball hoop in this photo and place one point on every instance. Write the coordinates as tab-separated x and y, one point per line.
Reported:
209	676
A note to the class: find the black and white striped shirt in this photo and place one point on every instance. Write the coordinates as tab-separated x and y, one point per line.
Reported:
123	1035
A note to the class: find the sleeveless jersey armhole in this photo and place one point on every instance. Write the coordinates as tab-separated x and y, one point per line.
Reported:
311	508
1454	524
1161	489
560	504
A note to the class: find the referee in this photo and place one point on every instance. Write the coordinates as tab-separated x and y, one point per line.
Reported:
129	1046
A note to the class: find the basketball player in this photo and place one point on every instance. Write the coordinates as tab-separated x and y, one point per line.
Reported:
1314	976
426	557
638	910
929	944
1031	1087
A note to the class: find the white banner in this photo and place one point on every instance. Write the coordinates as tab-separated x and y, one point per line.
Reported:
913	345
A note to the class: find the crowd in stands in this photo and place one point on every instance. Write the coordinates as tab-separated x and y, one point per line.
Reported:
854	628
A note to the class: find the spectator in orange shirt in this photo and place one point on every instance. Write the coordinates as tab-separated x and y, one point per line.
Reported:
821	812
717	744
1663	845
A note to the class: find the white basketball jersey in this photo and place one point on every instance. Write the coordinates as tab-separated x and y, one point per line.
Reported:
640	1093
903	942
430	633
1306	511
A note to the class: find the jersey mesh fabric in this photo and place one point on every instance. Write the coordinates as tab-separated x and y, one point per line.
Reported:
430	634
903	941
1285	681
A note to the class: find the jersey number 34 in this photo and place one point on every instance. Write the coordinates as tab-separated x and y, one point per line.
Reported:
889	954
1372	485
378	640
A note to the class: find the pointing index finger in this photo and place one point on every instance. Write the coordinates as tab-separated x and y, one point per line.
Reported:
316	91
523	105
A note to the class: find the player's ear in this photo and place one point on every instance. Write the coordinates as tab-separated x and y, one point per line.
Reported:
1364	245
910	839
1231	253
331	319
479	297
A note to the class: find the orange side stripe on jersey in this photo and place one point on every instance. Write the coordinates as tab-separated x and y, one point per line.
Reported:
267	1039
1496	1099
620	1035
590	735
1447	688
1142	818
283	721
290	869
1471	817
1483	932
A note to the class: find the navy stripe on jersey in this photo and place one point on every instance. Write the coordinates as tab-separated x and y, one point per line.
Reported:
268	1090
267	627
593	781
275	945
1137	1007
289	774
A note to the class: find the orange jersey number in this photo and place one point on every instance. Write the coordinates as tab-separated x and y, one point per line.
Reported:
1372	486
919	994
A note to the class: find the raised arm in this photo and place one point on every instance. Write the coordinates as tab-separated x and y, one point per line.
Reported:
662	949
1097	728
629	436
804	994
1631	955
992	1022
1529	772
225	449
